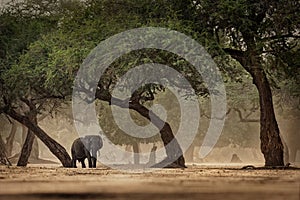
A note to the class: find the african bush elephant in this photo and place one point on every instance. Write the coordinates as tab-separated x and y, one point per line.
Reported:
86	147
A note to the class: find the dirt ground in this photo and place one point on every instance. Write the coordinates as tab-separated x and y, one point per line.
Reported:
195	182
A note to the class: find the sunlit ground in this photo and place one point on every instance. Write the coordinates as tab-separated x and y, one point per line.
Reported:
208	181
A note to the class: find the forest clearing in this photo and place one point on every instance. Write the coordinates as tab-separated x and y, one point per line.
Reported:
194	182
205	92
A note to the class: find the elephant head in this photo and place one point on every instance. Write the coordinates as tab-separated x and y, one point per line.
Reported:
93	143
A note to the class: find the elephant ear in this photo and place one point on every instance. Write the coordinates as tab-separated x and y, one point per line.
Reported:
90	141
86	141
100	142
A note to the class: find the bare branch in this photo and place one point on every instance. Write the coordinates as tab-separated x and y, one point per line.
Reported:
219	118
244	119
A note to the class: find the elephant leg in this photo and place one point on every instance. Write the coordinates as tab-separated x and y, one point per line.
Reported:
88	155
94	161
74	163
94	157
95	143
82	163
90	161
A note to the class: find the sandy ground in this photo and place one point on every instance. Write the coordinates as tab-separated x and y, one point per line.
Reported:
195	182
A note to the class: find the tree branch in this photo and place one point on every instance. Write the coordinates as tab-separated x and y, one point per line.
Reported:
236	54
277	37
244	119
219	118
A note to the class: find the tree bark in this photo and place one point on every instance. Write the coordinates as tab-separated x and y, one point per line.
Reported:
58	150
173	150
271	144
30	148
26	149
28	143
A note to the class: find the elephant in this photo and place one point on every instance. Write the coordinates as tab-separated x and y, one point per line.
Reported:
86	147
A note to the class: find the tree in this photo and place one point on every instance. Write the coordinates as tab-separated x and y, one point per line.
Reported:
253	33
119	137
53	60
21	24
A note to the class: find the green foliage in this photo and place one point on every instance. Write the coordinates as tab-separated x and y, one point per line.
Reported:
17	32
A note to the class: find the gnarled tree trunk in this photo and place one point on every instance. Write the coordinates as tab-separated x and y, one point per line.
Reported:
271	144
173	150
58	150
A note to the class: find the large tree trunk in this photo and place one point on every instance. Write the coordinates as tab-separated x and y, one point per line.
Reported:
271	144
58	150
174	152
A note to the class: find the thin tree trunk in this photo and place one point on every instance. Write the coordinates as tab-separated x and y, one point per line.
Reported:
26	149
10	138
58	150
136	151
152	157
3	157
